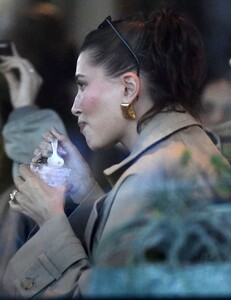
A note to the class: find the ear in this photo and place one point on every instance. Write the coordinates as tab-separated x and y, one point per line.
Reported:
131	83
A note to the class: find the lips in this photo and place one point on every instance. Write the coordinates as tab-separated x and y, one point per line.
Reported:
81	126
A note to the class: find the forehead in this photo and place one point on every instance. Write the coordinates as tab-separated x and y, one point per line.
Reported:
83	62
85	67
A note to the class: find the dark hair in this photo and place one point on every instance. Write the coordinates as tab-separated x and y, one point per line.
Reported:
170	51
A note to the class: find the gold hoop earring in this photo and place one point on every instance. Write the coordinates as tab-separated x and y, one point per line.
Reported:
128	111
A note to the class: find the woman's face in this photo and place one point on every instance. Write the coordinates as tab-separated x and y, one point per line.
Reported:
97	105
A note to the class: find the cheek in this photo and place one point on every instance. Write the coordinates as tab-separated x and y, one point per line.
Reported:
92	100
90	104
101	99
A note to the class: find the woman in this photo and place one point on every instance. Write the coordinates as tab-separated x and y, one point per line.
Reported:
137	81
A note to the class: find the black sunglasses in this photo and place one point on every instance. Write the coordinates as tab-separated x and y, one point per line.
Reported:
108	21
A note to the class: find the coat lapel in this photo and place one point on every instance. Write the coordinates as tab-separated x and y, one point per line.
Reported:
83	219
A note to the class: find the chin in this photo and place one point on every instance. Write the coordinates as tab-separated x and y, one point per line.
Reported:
98	143
94	146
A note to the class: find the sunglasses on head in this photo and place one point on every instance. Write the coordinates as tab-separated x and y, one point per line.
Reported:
107	22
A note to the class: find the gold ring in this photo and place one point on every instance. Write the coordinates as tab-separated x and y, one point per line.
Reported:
12	195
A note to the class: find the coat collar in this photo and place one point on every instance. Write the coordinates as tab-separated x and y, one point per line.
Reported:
161	126
158	128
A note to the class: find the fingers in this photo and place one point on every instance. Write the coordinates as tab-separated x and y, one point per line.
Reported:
60	136
15	202
23	65
14	50
25	173
16	196
18	182
44	149
65	142
12	80
39	160
14	205
35	198
62	139
54	133
39	156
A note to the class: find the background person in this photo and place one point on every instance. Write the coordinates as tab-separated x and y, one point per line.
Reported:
22	133
216	100
39	34
216	115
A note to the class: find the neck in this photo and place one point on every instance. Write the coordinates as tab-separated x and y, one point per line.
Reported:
131	136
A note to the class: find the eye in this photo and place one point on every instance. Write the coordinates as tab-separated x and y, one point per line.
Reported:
81	85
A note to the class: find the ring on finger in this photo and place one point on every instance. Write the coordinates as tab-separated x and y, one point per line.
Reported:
12	195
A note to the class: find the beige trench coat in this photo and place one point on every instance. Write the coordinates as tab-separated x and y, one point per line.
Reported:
57	260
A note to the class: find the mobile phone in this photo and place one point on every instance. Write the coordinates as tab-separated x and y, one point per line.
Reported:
5	48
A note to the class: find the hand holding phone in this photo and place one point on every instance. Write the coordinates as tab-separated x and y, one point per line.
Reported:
23	83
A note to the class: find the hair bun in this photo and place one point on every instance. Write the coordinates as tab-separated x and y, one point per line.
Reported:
163	18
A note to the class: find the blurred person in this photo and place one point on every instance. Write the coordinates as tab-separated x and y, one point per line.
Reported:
21	134
216	104
138	81
216	100
23	91
216	115
39	33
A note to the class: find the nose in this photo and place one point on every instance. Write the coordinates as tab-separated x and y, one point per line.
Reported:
76	109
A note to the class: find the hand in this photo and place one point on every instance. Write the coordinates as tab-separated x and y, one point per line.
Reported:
81	179
36	199
23	89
